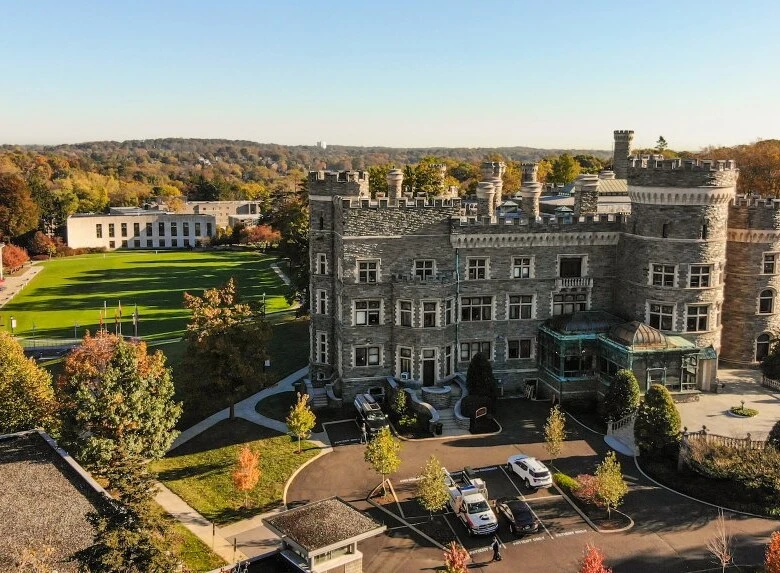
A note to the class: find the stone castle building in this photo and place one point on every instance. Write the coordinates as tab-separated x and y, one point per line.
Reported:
412	287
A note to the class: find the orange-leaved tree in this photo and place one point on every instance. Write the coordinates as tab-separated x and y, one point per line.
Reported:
456	558
772	557
247	472
593	561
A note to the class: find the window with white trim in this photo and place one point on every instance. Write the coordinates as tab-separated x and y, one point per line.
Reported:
477	268
660	315
763	342
474	308
571	266
769	263
766	301
469	349
430	310
569	303
367	312
321	349
519	348
697	318
424	268
447	360
699	276
405	360
368	271
405	312
662	275
99	231
520	306
448	304
522	267
367	355
322	264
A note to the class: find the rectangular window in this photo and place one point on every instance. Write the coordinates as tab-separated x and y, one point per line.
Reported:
322	348
405	360
448	311
136	229
197	229
322	264
148	229
124	244
697	318
569	303
405	312
367	271
321	306
521	268
185	227
366	312
99	231
661	316
570	267
174	229
110	229
663	275
477	269
700	276
161	229
186	242
123	229
423	269
474	308
149	243
521	306
208	229
519	348
162	243
367	356
430	310
137	243
111	244
469	349
174	242
447	360
769	263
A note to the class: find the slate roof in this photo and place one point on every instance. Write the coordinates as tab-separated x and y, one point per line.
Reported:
322	523
587	321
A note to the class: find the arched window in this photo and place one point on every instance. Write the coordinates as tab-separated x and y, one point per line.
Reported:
665	230
766	302
762	347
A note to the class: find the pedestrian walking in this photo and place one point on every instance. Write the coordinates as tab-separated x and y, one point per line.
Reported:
496	548
363	434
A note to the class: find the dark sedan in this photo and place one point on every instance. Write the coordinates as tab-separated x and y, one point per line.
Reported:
519	515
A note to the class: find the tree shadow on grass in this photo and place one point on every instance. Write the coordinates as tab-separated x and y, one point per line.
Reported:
187	472
223	434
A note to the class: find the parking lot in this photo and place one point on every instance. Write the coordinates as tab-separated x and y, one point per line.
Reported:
343	433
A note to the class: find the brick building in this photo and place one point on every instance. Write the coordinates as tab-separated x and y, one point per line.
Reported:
411	287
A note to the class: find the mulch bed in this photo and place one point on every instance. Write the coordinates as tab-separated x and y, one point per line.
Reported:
600	517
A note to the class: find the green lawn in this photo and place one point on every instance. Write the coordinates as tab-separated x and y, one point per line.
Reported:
195	554
199	471
277	406
72	290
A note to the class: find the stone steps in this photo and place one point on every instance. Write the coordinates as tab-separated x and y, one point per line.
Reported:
447	420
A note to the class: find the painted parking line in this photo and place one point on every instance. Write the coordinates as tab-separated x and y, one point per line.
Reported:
409	480
349	441
517	489
460	542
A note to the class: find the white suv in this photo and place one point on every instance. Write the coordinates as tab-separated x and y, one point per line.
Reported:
533	472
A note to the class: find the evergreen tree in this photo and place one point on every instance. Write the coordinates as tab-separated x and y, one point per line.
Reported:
774	436
301	420
657	425
770	366
622	397
661	144
479	378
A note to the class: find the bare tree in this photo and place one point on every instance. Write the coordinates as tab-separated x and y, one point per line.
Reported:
720	545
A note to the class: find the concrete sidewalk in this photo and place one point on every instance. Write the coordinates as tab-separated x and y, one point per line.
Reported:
14	285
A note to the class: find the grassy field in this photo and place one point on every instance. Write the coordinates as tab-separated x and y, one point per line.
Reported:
73	290
199	471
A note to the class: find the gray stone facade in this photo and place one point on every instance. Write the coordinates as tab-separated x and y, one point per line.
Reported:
413	286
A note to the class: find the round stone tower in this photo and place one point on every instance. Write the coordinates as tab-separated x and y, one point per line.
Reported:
671	260
531	190
751	315
623	139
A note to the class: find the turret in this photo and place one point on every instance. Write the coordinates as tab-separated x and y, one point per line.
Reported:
486	194
493	171
623	138
395	181
531	190
586	195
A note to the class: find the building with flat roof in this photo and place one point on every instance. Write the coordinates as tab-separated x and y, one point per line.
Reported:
227	213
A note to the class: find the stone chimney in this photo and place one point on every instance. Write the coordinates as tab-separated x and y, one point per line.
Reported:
486	196
607	174
530	191
395	180
586	195
493	171
623	138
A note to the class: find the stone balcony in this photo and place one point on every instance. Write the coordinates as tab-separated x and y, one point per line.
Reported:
573	282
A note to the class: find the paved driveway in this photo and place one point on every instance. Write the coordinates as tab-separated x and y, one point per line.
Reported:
670	534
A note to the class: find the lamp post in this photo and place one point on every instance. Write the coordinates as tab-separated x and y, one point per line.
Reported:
263	304
2	244
75	330
13	325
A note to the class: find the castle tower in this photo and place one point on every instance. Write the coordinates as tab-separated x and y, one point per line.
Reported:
672	257
395	182
586	195
493	171
751	311
530	190
486	194
623	139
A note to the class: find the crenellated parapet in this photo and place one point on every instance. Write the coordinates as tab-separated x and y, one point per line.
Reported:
349	183
650	172
408	201
750	216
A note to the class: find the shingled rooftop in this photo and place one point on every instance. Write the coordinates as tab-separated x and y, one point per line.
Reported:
322	523
43	503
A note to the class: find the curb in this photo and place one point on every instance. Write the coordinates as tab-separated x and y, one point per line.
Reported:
468	436
587	519
583	425
323	451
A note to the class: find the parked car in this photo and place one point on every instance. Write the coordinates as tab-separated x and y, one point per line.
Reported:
518	515
370	414
533	472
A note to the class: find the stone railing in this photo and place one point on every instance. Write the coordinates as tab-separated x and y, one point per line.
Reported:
747	442
769	383
460	419
574	282
623	432
614	427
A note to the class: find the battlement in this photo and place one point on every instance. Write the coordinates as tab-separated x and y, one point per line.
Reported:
755	202
407	202
338	176
354	183
657	162
624	134
650	171
548	222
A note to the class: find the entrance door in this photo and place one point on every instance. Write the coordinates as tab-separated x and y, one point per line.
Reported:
429	367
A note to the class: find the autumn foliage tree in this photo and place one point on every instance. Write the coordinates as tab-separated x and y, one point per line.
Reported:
456	558
382	453
263	235
14	257
593	561
301	420
18	211
246	473
432	491
772	556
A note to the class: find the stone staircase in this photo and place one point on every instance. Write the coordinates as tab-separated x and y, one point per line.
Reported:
448	422
318	397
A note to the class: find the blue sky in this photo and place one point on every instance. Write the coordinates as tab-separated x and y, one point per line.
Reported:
425	73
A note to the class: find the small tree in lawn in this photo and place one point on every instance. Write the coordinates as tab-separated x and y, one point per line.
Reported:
301	420
432	492
622	397
382	454
456	558
657	423
247	472
554	432
720	544
479	378
593	561
611	488
772	556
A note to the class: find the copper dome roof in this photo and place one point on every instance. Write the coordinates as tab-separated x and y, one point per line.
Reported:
638	335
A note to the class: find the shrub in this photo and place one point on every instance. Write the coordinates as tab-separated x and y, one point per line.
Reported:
40	244
588	490
742	411
471	403
14	257
479	379
565	482
622	397
770	366
657	426
774	436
